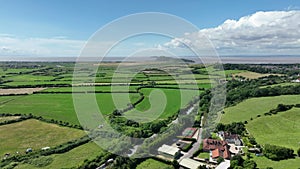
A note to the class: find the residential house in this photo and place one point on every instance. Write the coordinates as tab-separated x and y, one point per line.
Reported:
219	148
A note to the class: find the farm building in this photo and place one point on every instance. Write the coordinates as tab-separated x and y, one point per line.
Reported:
169	151
190	163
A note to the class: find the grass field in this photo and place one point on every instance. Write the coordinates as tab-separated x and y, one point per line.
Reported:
263	162
282	129
153	164
230	72
69	159
145	112
250	108
58	106
34	134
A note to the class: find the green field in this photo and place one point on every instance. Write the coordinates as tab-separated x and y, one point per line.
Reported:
282	129
263	162
34	134
96	88
153	164
69	159
250	108
59	106
146	112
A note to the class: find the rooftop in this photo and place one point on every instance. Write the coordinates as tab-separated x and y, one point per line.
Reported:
190	163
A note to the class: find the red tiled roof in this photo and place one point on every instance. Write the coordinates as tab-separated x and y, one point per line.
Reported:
211	144
218	148
215	153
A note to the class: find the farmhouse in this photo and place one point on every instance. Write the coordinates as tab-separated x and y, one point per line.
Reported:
169	151
219	148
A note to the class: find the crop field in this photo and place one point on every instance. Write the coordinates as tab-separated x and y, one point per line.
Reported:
250	108
8	118
153	164
151	107
282	129
69	159
253	75
34	134
58	106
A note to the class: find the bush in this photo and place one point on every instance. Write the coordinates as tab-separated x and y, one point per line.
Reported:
41	161
220	160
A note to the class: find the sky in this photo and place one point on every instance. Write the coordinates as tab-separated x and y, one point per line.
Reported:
234	27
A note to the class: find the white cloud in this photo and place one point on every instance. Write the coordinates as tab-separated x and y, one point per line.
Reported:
275	32
57	46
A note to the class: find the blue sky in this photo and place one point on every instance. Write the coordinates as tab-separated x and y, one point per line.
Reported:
73	21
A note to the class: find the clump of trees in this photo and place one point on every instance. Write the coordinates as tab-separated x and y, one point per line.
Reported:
280	108
234	128
274	152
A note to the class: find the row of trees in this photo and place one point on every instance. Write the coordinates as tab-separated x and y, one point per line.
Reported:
289	69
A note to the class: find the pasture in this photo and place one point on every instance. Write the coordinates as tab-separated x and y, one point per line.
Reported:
263	162
250	108
160	103
69	159
34	134
282	129
59	106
